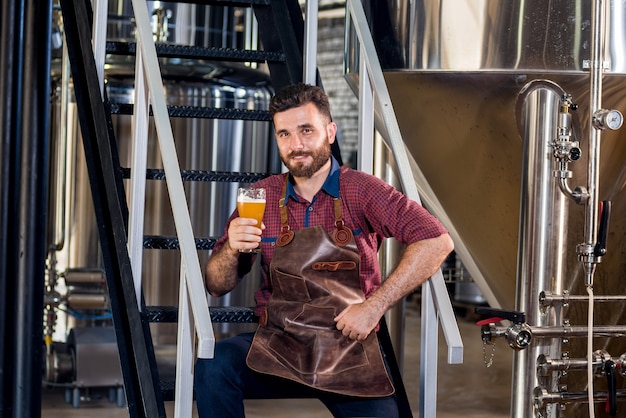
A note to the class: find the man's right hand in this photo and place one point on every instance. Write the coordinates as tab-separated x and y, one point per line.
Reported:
244	234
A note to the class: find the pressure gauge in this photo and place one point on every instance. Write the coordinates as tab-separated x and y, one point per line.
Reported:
614	119
607	119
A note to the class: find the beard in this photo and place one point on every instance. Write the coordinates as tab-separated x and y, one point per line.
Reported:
302	169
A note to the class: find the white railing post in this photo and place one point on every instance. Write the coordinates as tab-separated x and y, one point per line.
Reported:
184	354
366	121
98	38
193	297
139	158
190	261
309	48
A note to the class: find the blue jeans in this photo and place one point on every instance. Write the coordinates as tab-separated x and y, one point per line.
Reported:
222	383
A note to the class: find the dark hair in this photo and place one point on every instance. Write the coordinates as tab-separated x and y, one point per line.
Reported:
297	95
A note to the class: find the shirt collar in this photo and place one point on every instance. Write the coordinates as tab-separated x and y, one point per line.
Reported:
330	186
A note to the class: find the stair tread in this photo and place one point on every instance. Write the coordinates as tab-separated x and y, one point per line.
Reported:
239	3
198	52
179	111
219	314
201	175
154	242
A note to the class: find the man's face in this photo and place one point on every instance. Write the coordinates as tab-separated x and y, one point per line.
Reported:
303	137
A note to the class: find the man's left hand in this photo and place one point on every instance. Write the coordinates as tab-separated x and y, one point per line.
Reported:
357	321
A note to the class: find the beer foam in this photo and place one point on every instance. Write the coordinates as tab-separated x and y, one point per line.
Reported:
250	199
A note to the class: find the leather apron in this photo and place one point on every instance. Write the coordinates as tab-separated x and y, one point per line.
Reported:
313	277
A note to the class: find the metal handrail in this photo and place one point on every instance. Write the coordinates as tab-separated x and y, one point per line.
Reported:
193	305
191	262
435	299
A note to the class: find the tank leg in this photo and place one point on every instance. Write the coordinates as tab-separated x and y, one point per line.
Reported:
68	395
76	398
121	397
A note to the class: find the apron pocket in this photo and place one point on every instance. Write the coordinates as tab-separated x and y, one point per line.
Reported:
293	288
312	345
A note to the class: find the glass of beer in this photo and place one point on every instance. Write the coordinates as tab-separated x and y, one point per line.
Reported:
251	204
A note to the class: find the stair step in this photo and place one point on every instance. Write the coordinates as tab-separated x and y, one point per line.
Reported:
154	242
236	3
201	175
219	314
198	52
168	390
176	111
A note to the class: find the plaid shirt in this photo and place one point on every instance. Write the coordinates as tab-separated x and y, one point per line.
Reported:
371	208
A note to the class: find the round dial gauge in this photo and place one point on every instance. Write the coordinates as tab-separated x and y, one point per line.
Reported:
613	119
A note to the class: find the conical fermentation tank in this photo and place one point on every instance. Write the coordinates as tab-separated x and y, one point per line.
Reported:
455	71
202	144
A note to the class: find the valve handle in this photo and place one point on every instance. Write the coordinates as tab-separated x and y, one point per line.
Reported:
513	316
488	321
611	398
603	228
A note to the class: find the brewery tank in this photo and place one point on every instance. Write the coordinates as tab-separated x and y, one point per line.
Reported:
455	71
202	144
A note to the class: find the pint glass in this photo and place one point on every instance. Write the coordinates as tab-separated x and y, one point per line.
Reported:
251	204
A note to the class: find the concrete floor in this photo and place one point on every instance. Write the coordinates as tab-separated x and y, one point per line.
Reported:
468	390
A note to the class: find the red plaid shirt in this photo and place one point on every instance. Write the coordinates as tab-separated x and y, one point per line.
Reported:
371	208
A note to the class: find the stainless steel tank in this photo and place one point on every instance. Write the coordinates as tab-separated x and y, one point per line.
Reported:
455	70
202	144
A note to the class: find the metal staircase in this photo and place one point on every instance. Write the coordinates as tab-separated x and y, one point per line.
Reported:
117	225
120	223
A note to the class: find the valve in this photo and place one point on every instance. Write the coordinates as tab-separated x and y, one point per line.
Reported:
565	149
621	365
603	228
518	334
604	365
611	398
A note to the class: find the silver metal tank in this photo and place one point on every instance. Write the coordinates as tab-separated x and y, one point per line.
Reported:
455	70
202	144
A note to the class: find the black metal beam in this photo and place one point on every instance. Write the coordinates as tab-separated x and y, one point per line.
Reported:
25	89
11	62
281	28
136	357
33	203
279	31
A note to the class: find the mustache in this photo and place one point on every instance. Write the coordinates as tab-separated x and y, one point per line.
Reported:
299	154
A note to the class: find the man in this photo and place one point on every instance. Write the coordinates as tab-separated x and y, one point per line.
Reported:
322	297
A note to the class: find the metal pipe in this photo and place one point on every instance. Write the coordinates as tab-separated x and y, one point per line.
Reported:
84	301
565	332
548	298
577	194
543	217
546	365
543	397
73	277
586	250
61	186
